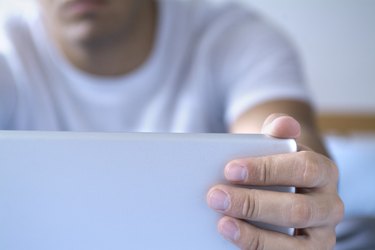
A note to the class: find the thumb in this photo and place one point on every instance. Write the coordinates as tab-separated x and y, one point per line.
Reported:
281	126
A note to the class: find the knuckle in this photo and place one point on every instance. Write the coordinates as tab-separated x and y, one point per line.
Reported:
304	245
255	243
339	211
322	240
310	246
264	170
250	207
329	241
335	171
312	170
301	213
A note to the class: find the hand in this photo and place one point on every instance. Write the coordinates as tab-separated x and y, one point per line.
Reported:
314	210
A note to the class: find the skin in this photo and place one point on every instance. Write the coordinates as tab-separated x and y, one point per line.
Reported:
114	39
314	210
117	39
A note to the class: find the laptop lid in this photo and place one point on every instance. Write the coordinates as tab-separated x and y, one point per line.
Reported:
69	190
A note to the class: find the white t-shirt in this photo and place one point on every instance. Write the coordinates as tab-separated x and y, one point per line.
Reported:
209	64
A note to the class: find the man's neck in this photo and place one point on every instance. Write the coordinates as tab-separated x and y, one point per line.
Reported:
121	55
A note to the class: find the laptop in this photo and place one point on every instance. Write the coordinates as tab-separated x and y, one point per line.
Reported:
87	191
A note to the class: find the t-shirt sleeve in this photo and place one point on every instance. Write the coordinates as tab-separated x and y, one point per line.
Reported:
254	63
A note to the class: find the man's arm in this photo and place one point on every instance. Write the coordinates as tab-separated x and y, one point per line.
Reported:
252	121
314	210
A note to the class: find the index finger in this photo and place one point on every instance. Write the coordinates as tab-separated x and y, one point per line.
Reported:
303	169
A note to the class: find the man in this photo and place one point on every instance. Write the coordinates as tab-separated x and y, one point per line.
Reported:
167	66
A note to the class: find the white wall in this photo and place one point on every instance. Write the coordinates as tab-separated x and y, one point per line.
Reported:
337	41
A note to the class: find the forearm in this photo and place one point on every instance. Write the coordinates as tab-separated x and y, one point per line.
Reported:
311	138
252	121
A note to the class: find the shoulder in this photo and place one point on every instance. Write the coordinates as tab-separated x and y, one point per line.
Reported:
230	30
17	37
17	18
16	32
204	15
220	16
16	46
249	59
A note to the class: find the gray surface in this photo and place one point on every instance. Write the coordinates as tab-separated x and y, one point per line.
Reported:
356	234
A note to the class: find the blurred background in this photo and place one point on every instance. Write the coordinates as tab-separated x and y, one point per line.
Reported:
336	40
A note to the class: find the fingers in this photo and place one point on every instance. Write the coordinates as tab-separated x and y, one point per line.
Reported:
315	210
277	208
281	126
303	169
248	237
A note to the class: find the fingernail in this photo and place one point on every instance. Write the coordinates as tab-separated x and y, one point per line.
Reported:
230	230
235	172
218	200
